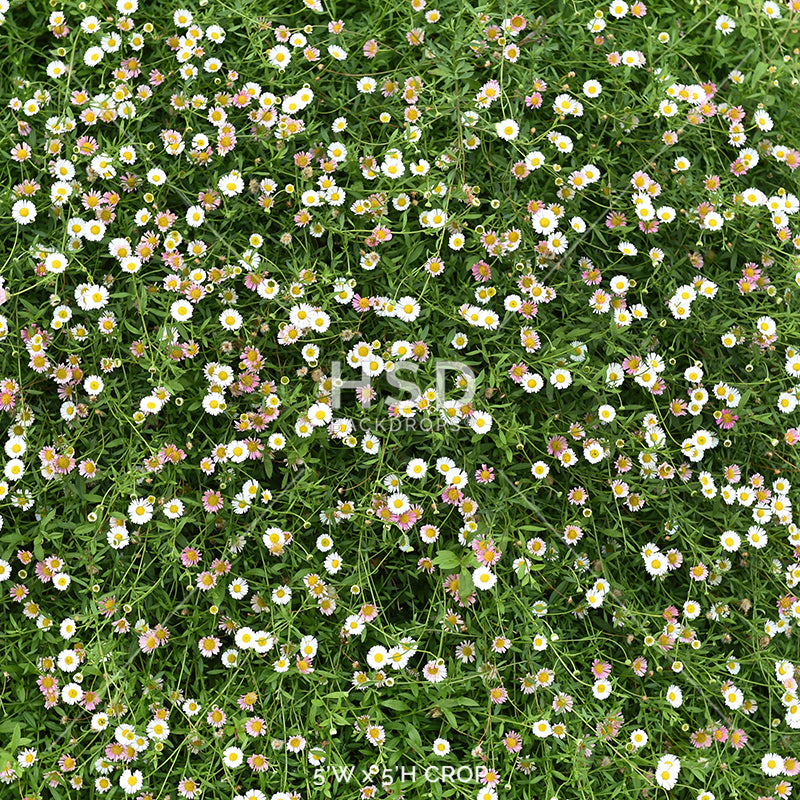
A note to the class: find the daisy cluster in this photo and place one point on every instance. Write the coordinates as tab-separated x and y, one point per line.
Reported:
406	394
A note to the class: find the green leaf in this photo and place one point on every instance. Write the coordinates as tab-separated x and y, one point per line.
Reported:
397	705
447	559
450	717
465	585
414	737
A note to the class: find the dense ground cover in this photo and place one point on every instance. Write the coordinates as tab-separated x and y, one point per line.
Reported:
399	399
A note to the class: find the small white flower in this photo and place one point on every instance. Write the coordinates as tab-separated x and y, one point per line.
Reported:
682	163
540	470
441	747
56	262
592	88
507	129
561	378
238	588
772	764
730	541
232	757
23	212
93	385
181	310
282	596
140	511
667	771
483	578
675	696
230	319
480	422
417	468
639	738
724	24
231	184
333	563
602	689
14	469
541	729
72	694
93	56
156	176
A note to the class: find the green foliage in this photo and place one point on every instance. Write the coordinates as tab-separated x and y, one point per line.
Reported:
399	401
